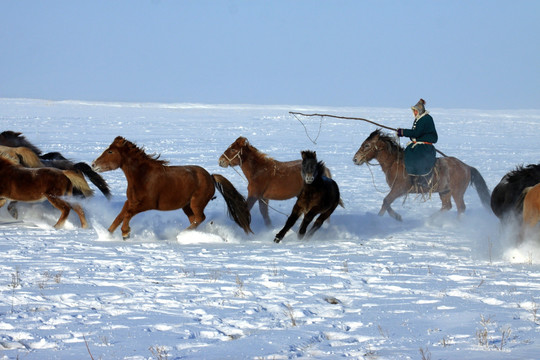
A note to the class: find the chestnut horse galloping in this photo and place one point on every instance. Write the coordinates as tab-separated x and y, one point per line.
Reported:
451	177
153	185
268	179
22	184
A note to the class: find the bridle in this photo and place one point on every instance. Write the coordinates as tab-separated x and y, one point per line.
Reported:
238	154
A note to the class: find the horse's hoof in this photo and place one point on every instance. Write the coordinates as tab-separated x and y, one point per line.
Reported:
13	212
125	236
277	240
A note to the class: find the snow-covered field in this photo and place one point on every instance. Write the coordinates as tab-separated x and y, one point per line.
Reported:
365	287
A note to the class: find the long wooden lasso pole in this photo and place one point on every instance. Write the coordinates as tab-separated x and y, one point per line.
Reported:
354	118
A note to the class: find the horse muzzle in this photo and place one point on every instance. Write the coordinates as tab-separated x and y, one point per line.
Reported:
308	179
359	160
96	167
223	162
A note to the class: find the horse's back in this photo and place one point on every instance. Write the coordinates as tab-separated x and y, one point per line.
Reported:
279	180
174	187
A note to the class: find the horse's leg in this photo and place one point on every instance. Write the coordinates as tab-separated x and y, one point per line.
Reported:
446	200
119	218
263	208
295	214
128	214
62	206
308	218
78	209
250	201
320	220
12	209
460	203
191	217
388	200
197	214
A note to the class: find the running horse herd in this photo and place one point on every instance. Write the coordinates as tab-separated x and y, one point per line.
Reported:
28	175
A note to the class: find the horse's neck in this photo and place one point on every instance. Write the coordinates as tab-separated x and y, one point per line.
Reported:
390	162
135	168
253	160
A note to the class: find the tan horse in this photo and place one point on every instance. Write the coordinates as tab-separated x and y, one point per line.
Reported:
22	184
531	209
153	185
268	179
451	176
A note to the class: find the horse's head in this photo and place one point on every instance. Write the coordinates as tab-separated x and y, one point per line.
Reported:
369	149
310	166
232	156
111	158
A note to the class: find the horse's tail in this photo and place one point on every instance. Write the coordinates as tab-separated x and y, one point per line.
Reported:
95	178
236	203
79	183
481	187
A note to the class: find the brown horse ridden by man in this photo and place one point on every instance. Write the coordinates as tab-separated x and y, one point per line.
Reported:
319	195
451	176
153	185
53	159
268	179
29	185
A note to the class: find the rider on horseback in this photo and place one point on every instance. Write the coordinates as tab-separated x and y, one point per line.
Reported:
420	152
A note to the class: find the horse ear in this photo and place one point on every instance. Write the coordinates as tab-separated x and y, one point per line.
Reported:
242	141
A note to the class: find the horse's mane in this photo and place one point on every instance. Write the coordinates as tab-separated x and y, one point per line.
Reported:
133	150
16	139
259	154
520	173
393	146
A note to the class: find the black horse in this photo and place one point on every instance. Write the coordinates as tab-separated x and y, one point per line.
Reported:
56	160
319	195
506	198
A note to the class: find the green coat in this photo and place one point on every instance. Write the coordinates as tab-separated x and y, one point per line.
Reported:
420	158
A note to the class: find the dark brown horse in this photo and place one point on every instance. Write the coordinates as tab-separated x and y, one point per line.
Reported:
319	195
451	176
153	185
268	179
55	160
22	184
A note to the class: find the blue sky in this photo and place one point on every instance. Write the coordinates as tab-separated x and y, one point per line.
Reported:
454	54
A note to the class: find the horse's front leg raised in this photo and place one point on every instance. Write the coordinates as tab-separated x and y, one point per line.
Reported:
388	200
118	218
295	214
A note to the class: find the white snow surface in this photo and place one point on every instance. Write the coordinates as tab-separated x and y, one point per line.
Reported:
364	287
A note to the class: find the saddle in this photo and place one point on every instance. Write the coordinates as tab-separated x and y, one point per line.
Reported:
424	184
